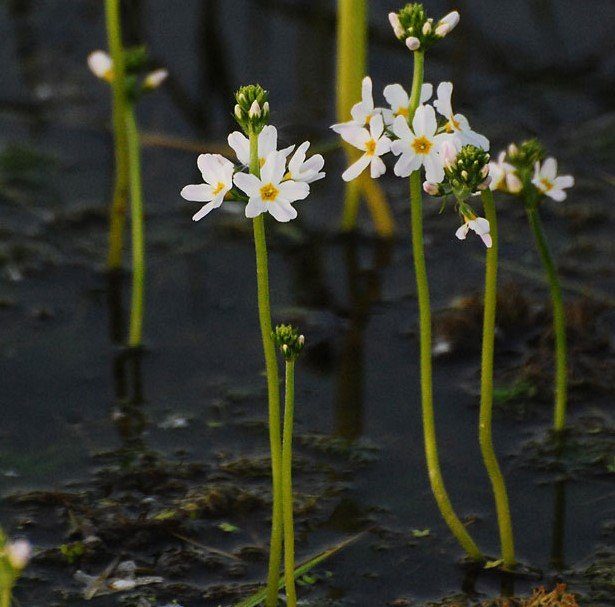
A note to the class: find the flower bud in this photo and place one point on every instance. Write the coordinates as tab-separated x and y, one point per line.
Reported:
252	109
485	184
154	79
413	43
448	151
18	554
255	110
431	188
289	341
447	24
468	172
427	28
396	25
101	65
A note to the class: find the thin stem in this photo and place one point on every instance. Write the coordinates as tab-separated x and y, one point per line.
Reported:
117	212
486	391
559	320
138	237
273	388
5	597
422	284
287	486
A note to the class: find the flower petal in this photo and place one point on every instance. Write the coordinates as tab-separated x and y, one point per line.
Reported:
564	181
282	211
201	192
402	129
274	168
407	164
250	184
549	169
377	167
462	232
356	135
396	96
426	92
434	171
255	207
424	121
376	127
294	190
208	208
443	101
267	141
355	169
241	146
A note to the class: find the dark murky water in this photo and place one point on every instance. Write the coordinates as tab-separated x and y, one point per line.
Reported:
520	68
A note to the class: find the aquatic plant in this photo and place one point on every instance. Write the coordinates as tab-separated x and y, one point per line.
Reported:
14	556
271	185
127	70
352	45
290	343
522	170
412	132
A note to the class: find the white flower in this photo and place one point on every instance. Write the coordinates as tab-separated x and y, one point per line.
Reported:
447	24
217	174
399	100
548	182
504	176
18	553
154	79
373	142
300	169
448	151
477	224
361	112
413	43
101	65
457	123
267	143
396	25
271	193
419	146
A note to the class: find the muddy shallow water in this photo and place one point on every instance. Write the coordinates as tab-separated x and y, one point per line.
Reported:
162	458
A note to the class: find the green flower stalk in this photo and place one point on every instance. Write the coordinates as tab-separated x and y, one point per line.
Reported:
352	43
534	182
290	343
413	16
117	212
14	557
251	112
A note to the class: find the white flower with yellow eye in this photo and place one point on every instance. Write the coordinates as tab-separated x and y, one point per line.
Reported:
101	65
549	183
477	224
457	124
361	112
373	142
267	143
217	174
399	100
504	176
271	193
419	146
300	169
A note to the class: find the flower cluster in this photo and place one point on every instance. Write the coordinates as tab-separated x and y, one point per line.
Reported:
288	339
412	26
523	169
284	176
139	79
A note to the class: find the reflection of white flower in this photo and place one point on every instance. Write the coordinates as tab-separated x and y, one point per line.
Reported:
548	182
373	142
447	24
457	124
267	143
399	100
504	176
300	169
18	553
271	193
217	174
419	146
477	224
361	112
101	65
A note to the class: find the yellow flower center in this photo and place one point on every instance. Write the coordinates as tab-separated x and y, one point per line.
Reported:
370	147
403	111
546	184
451	126
269	192
422	145
218	188
261	162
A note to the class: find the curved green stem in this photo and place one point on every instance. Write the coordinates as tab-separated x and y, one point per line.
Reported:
422	285
138	238
287	486
486	391
273	388
559	320
117	212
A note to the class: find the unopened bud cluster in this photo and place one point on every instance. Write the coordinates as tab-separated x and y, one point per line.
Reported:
252	108
412	26
469	172
526	154
289	341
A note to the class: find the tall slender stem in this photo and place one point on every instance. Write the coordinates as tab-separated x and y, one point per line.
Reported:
287	486
422	284
559	320
273	388
5	597
138	237
117	212
352	43
486	391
